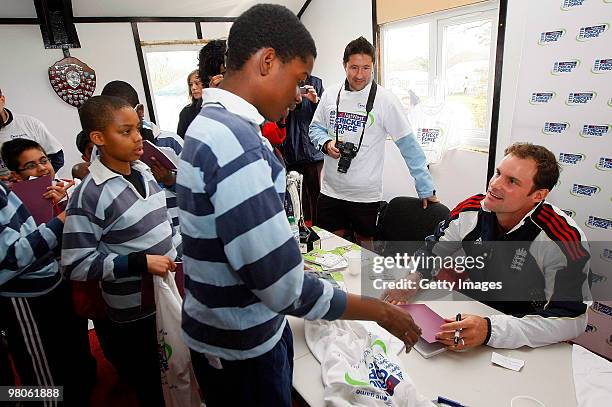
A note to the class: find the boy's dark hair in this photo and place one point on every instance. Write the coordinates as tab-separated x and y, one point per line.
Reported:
121	90
97	112
82	140
12	149
358	46
211	58
268	25
548	168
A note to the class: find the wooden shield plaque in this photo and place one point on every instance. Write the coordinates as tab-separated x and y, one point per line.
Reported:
73	81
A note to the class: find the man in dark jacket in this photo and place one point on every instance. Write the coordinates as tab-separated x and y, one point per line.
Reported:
300	154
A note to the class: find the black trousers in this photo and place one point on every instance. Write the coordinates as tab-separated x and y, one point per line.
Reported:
49	344
310	188
262	381
133	350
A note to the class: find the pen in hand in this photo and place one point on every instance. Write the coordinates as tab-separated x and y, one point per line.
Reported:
457	331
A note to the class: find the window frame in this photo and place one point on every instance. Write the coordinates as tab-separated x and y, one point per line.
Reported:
152	48
438	22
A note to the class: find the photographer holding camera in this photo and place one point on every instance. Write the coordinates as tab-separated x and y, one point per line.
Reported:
350	126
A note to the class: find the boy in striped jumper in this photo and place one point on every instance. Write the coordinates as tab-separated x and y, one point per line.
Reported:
170	143
243	268
118	232
46	340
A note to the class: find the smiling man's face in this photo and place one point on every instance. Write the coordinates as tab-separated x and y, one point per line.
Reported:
511	190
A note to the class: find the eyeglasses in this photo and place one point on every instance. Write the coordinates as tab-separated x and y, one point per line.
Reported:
32	164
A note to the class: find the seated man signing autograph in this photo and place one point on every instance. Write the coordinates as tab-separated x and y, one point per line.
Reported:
527	246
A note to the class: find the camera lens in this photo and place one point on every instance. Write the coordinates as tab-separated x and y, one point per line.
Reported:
347	153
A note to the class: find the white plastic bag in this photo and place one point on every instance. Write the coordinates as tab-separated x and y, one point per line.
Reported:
178	380
359	366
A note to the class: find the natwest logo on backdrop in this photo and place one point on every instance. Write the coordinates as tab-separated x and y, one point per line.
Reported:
602	308
548	37
571	158
580	98
584	190
595	130
593	31
539	98
569	4
602	65
555	127
563	67
595	222
604	164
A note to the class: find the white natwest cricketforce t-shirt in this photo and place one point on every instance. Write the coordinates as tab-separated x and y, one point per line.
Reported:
28	127
363	181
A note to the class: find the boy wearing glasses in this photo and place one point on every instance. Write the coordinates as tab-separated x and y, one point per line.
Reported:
25	159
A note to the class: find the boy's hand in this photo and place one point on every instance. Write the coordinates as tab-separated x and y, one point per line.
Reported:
62	217
57	192
9	178
159	265
400	324
162	174
215	81
399	296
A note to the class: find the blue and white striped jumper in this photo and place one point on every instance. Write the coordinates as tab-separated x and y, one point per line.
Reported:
172	145
27	258
106	221
243	268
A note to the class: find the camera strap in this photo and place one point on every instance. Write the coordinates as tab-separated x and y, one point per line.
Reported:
369	107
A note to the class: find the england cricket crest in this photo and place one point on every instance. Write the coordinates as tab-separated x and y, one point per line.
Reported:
73	81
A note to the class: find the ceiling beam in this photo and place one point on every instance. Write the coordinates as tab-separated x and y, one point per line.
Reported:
154	19
82	20
18	21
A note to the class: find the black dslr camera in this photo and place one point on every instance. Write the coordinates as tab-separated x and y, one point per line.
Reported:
348	151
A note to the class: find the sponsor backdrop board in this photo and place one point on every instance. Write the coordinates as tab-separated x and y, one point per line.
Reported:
564	102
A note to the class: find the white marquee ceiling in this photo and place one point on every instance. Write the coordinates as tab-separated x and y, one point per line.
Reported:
145	8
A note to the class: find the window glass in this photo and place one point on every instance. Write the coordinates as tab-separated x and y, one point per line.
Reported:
441	67
466	70
407	62
168	71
